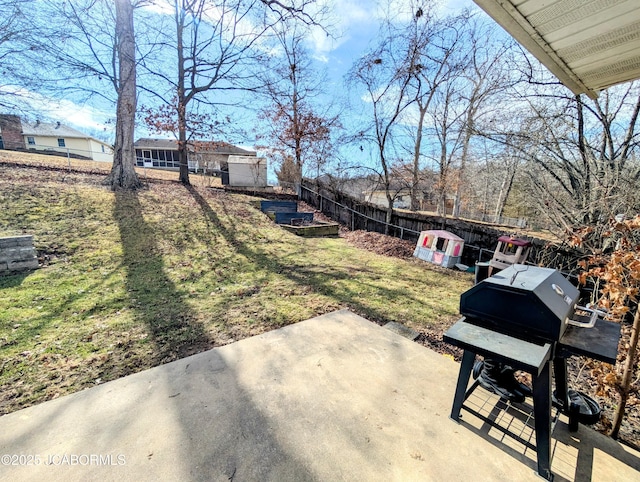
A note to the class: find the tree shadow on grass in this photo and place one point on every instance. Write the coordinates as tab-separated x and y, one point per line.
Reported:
322	279
202	382
158	302
219	428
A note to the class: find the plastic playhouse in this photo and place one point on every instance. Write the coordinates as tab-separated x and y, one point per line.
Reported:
439	247
509	251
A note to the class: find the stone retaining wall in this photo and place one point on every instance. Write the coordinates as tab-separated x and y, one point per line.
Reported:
17	254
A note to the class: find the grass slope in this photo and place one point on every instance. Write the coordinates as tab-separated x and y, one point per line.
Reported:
133	280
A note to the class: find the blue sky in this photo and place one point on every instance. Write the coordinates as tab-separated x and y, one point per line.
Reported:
356	20
355	24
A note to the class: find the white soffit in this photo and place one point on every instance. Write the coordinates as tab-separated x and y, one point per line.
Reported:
588	44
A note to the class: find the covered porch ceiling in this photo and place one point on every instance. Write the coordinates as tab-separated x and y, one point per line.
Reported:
588	44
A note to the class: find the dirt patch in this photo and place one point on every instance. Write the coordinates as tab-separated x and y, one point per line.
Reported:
370	241
379	243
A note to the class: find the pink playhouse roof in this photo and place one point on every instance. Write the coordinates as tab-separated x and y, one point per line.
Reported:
444	234
514	241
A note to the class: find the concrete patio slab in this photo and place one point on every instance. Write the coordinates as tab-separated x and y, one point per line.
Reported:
331	398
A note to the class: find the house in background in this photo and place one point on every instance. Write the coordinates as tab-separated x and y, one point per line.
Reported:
402	197
50	138
202	156
378	196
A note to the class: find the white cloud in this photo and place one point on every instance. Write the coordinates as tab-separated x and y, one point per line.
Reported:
345	18
79	115
65	111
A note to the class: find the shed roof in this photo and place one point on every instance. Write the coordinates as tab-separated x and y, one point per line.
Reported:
588	44
244	159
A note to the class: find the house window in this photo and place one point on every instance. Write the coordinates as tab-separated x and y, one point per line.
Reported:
60	142
1	143
102	147
31	141
171	157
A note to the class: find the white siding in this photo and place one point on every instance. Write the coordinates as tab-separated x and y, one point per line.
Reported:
100	151
86	147
247	171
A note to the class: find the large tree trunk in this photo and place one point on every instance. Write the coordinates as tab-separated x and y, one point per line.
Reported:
389	214
505	190
123	174
183	154
463	163
182	106
441	190
415	181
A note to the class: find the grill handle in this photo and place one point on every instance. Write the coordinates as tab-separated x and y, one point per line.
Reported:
592	319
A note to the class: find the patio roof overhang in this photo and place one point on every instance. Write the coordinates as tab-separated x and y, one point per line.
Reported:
588	44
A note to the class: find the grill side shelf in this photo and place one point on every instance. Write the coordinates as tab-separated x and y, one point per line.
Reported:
599	342
520	354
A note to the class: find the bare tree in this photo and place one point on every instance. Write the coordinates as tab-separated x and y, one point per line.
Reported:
436	56
508	168
458	68
298	135
487	77
583	153
447	119
73	36
93	62
440	75
123	174
214	47
385	75
14	29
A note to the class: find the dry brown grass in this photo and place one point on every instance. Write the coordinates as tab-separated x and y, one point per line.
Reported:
96	167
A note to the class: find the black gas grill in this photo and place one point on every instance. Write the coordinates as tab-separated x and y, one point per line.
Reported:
528	317
528	302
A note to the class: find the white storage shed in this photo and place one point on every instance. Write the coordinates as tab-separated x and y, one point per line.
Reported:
247	171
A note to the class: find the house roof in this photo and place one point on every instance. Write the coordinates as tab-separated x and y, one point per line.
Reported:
206	146
589	44
45	129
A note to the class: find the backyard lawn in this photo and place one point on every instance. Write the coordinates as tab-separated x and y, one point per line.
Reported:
132	280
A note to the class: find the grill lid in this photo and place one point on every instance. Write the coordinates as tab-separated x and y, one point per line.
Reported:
524	301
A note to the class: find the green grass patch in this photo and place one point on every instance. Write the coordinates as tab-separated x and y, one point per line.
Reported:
133	280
